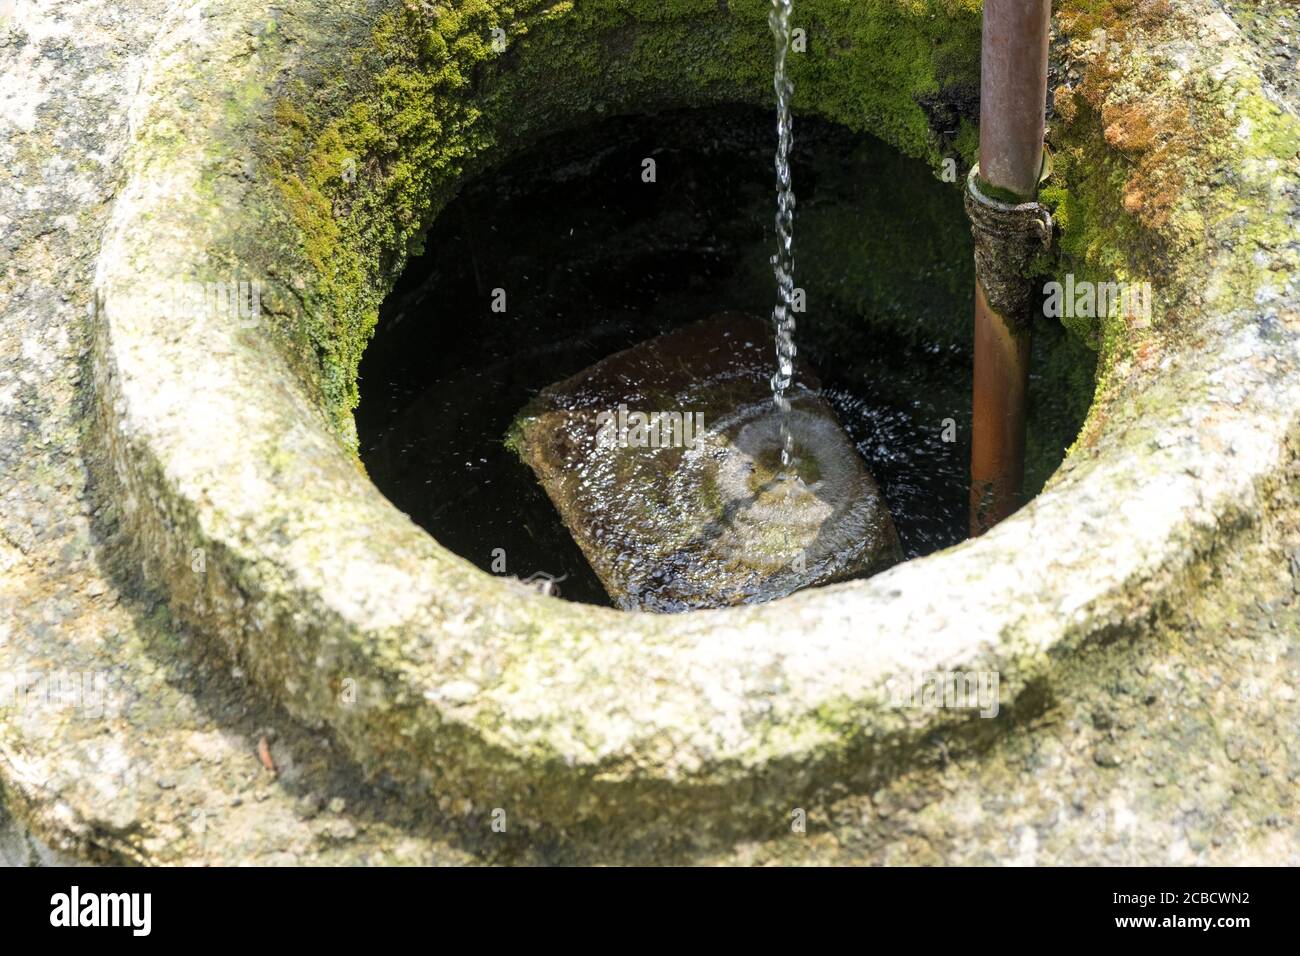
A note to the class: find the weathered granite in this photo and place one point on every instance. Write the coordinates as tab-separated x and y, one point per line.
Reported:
1141	613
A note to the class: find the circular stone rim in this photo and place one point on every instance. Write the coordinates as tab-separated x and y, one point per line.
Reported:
463	683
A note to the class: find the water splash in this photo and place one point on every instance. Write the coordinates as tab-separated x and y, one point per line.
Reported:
783	261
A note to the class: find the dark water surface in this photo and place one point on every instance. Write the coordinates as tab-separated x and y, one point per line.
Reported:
594	260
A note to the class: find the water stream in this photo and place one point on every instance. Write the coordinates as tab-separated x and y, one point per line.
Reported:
783	261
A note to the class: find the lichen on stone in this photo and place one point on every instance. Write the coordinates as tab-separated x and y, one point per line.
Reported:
366	158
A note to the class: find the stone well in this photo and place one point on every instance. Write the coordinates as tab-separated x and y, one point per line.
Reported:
290	656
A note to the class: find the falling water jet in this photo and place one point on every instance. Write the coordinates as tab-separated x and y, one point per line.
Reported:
783	260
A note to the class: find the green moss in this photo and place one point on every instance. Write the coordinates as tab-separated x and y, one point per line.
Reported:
1060	394
906	281
967	142
767	468
1138	190
432	100
1000	194
514	440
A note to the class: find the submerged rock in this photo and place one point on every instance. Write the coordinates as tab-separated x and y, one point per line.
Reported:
664	463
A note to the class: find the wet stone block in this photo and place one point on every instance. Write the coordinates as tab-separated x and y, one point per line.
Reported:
664	463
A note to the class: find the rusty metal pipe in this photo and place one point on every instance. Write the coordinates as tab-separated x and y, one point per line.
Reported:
1013	100
1013	93
997	463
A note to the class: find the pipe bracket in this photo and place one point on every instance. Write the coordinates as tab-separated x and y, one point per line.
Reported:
1008	237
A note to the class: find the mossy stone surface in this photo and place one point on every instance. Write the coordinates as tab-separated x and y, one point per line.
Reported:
366	153
1141	612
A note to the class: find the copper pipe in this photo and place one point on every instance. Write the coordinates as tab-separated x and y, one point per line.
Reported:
997	465
1013	100
1013	93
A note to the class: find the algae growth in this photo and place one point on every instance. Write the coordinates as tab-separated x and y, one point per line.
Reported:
368	157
